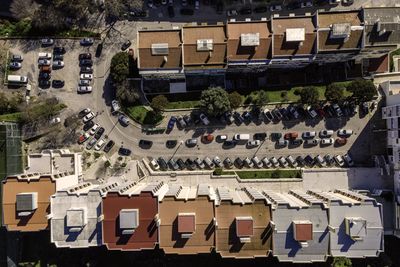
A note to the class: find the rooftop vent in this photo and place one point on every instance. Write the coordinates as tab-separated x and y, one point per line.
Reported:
341	31
303	232
76	219
186	224
26	203
204	45
128	220
250	39
159	49
295	35
244	228
356	228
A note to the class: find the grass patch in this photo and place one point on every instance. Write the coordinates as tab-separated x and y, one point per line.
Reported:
35	112
143	116
183	104
12	117
269	174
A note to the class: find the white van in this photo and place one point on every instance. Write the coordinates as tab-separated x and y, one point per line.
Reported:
17	79
241	137
44	55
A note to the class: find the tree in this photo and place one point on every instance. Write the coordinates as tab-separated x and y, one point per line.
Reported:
363	90
262	98
22	9
235	99
341	262
308	95
159	103
334	92
119	68
215	101
126	94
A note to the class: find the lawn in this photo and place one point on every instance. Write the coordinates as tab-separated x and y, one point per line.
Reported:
269	174
12	117
143	116
183	104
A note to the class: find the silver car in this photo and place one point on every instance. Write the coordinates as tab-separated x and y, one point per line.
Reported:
209	163
267	163
200	163
257	162
218	161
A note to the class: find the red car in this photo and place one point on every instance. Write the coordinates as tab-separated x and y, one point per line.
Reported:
292	135
83	138
341	141
207	138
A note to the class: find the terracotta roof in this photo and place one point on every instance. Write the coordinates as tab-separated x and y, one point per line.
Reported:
325	20
284	48
215	56
244	226
353	42
303	231
146	58
186	222
37	220
238	52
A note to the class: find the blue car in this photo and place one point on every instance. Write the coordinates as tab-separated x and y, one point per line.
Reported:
171	123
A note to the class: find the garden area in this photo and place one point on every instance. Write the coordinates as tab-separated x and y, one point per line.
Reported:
144	115
269	174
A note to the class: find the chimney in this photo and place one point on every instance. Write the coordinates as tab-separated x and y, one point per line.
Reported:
165	59
209	54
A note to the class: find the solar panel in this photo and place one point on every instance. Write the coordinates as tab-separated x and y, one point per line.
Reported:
250	39
295	35
159	49
204	45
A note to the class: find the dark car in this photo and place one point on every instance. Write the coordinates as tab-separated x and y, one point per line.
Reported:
296	142
44	76
109	145
126	45
276	136
260	9
309	160
99	133
58	57
247	116
99	49
245	11
171	12
86	70
229	144
188	120
171	123
58	83
187	11
145	143
85	56
190	164
239	163
171	143
88	125
86	62
301	161
59	50
83	112
163	164
124	151
260	136
181	164
173	165
238	118
44	83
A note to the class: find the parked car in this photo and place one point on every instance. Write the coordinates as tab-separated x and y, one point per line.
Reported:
84	112
309	135
339	160
200	163
248	163
258	163
145	143
55	120
187	120
245	11
292	161
86	41
311	112
17	58
58	57
222	138
47	41
283	162
207	138
44	75
266	162
181	164
349	161
91	143
84	82
275	7
312	142
173	165
171	143
260	9
320	160
190	164
229	144
44	62
123	120
268	114
228	163
275	136
296	142
282	143
171	123
109	145
260	136
126	45
86	62
86	76
217	161
154	165
86	70
124	151
89	116
337	110
191	142
253	143
57	83
294	113
181	122
87	126
345	132
306	4
329	159
83	138
341	141
325	133
84	89
115	106
15	65
277	114
347	2
291	135
99	133
163	164
59	50
231	12
327	141
310	161
301	161
94	129
99	145
204	119
44	83
239	163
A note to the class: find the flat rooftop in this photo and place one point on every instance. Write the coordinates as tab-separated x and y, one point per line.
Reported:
325	20
52	162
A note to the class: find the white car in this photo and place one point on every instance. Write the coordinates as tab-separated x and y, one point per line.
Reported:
88	117
248	163
339	160
86	76
55	120
154	165
218	161
306	4
309	135
257	162
99	145
84	82
94	129
204	119
348	160
115	106
253	143
283	162
44	62
222	137
320	160
197	4
292	161
58	64
345	132
313	114
47	41
84	89
200	163
274	162
327	141
273	8
325	133
267	163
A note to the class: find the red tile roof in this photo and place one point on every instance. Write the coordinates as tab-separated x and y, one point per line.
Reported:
244	227
186	223
303	231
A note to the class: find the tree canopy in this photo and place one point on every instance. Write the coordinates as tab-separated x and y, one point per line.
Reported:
334	92
119	68
363	90
308	95
261	99
159	103
235	99
215	101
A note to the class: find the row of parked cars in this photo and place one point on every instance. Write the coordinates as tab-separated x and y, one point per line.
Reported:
46	66
93	132
86	73
254	162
